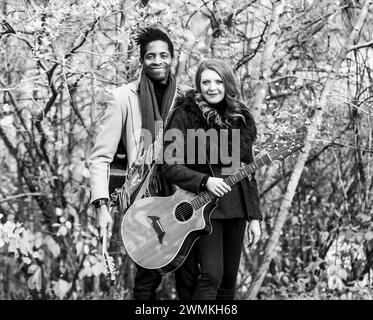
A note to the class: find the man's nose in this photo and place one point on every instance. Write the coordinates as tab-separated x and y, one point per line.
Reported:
157	59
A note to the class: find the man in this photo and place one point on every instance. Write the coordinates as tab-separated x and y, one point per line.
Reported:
135	107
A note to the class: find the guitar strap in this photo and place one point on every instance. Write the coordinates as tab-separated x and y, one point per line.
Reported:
212	171
204	152
150	173
208	162
146	182
216	200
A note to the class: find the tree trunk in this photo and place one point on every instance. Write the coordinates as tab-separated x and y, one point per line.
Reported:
216	33
267	61
312	130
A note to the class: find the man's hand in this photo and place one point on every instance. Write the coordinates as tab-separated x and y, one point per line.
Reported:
105	220
217	186
253	232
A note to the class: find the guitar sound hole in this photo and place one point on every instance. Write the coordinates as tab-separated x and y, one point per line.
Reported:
184	211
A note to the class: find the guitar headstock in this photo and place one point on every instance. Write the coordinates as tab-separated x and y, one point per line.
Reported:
109	261
283	150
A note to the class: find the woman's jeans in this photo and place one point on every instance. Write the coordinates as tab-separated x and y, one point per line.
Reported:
219	255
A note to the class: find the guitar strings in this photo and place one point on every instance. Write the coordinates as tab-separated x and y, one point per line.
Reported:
143	251
184	211
180	213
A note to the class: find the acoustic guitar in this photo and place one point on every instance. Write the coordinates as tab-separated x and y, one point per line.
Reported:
158	232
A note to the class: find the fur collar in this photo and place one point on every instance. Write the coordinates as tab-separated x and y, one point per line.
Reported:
247	130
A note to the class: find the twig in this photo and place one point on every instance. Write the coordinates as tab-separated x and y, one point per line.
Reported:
76	276
22	195
361	45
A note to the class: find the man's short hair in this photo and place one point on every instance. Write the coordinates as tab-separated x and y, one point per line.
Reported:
149	34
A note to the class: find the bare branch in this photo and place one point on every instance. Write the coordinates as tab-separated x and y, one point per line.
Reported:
23	195
361	45
247	57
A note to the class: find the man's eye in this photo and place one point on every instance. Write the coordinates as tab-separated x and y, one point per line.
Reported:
164	56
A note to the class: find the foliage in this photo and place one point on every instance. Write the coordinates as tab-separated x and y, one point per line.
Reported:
61	59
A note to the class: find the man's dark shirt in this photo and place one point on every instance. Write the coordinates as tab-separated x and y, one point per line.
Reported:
159	90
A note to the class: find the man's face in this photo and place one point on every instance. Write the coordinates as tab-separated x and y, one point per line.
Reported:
157	61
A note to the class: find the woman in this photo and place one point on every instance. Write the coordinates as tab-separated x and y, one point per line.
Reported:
215	105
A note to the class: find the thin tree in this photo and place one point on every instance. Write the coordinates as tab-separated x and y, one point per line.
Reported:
267	60
311	133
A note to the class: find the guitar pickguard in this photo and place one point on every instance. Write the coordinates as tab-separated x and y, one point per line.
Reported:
157	226
153	229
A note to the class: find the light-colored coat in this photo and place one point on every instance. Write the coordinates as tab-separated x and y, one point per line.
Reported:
122	120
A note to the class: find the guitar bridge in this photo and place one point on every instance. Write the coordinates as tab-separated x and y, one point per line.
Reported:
156	224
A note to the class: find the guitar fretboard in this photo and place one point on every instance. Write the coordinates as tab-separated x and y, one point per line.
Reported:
242	173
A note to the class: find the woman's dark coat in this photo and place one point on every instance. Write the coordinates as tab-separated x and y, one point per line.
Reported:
191	177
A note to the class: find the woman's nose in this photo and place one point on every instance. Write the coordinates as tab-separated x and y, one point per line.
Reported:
212	86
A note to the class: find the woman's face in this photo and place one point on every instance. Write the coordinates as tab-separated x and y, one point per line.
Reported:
212	87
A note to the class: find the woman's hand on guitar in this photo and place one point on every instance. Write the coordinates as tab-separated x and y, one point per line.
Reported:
105	221
217	186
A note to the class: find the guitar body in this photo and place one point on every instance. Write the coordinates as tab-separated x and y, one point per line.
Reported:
158	232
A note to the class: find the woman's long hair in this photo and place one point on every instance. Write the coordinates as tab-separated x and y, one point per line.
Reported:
235	108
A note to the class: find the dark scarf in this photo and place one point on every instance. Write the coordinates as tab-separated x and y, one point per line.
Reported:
150	111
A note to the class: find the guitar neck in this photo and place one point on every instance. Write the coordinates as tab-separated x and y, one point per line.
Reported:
206	196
